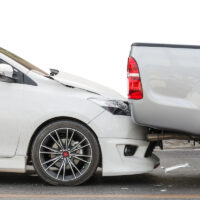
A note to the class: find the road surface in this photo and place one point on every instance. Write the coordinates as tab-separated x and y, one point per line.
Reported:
182	183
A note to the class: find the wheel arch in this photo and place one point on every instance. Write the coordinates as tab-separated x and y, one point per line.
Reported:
52	120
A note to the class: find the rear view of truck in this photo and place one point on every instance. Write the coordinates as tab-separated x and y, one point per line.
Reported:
164	86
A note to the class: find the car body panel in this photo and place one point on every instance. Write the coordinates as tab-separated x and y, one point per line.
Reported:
116	164
107	125
47	104
10	118
15	164
78	82
114	133
49	99
171	87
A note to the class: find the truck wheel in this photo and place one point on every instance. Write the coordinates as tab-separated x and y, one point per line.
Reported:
65	153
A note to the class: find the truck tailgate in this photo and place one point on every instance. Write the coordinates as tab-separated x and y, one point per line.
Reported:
170	79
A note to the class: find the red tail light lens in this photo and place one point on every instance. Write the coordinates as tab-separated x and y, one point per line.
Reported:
132	66
135	88
135	85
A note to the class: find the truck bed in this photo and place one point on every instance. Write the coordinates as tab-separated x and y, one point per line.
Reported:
170	79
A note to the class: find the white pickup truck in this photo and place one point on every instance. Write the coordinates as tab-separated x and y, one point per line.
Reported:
164	89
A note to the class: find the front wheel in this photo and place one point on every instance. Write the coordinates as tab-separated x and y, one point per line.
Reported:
65	153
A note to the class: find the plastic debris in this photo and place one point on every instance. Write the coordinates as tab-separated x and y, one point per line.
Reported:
158	185
170	185
168	169
163	190
124	188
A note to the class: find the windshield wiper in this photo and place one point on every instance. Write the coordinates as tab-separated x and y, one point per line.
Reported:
50	77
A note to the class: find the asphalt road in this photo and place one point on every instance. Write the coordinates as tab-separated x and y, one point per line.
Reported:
182	183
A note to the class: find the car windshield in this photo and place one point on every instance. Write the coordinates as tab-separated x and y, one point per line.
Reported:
23	62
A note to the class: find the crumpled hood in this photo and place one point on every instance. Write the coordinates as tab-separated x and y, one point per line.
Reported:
78	82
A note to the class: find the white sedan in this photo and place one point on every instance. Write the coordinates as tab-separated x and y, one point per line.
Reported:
65	126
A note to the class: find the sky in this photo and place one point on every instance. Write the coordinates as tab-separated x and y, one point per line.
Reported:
92	38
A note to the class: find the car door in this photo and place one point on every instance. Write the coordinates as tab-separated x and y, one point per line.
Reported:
11	102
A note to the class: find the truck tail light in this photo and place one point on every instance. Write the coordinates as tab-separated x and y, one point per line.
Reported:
134	81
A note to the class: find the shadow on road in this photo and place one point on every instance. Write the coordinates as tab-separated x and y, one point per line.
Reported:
181	181
136	181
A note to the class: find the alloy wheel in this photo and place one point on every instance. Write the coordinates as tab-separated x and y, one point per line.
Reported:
65	154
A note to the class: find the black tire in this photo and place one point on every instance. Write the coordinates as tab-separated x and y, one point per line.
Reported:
53	174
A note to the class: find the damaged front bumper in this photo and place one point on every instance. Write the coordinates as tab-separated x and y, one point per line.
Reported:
116	134
116	163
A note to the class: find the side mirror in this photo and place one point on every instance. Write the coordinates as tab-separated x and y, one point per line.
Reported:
6	73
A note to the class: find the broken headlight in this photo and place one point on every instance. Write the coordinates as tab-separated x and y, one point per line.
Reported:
116	107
